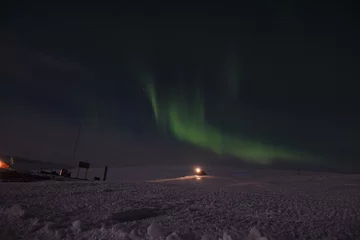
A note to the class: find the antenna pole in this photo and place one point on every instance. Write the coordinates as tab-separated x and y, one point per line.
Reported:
76	143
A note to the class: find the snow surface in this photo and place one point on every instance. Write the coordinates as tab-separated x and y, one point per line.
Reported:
277	204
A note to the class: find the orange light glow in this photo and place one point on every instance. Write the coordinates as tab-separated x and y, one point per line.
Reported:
3	165
197	170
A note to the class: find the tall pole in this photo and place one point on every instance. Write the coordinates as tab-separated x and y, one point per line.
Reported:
76	143
105	173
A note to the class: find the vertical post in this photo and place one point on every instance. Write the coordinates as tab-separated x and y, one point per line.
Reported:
105	172
76	143
86	173
77	175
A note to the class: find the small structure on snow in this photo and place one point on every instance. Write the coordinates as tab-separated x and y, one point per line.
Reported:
85	165
200	172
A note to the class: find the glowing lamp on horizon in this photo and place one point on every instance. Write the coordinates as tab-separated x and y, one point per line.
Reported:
4	165
199	172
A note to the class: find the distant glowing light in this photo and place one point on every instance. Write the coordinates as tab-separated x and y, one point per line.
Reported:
3	165
197	170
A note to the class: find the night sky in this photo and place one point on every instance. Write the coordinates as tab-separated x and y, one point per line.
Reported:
262	81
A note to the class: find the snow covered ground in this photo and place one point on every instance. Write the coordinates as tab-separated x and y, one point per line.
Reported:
280	204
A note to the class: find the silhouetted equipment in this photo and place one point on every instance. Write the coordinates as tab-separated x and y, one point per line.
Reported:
105	173
85	165
65	173
201	173
96	179
48	172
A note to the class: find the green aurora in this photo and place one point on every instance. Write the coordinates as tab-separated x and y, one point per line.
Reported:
184	117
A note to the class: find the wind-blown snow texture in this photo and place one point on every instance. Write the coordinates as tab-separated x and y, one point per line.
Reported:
322	206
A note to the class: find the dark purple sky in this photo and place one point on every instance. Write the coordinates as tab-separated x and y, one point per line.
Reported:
65	65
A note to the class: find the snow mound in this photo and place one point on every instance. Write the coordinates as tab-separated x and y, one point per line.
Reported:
133	235
16	211
208	236
226	236
76	226
173	236
255	235
155	231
